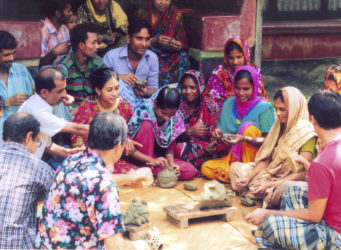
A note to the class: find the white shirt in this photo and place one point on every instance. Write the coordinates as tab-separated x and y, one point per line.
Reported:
49	123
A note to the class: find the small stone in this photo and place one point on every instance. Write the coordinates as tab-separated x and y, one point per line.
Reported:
190	187
247	202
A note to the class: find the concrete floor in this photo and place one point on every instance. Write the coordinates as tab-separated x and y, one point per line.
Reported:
306	75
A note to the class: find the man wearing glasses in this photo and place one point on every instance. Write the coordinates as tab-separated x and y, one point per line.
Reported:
24	180
50	91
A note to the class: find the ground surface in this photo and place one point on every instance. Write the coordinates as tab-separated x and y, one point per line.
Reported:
307	75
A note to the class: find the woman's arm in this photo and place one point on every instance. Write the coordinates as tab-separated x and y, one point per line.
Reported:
160	161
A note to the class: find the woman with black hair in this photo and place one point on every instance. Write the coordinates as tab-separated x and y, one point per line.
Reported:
156	125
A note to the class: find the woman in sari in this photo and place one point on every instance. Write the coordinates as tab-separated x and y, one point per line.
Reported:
106	98
199	121
332	79
291	134
244	122
219	85
168	39
110	17
156	125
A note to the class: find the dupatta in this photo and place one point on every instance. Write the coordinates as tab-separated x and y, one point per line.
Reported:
205	108
164	134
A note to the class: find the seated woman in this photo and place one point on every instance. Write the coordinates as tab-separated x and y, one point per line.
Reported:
110	17
168	39
244	122
199	121
292	133
156	125
106	98
219	85
332	80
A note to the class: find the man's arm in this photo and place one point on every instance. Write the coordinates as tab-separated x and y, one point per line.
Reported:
76	129
55	149
313	213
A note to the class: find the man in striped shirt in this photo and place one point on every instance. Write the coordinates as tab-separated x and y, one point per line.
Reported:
77	66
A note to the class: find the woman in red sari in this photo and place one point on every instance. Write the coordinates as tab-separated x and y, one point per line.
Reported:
168	39
197	112
106	98
219	85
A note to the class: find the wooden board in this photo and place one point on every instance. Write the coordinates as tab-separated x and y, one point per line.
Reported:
136	232
181	214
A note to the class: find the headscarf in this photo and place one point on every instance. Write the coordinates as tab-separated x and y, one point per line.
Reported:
219	85
205	107
297	132
113	18
337	79
164	134
244	107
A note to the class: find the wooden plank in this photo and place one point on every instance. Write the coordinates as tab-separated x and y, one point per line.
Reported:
181	214
136	232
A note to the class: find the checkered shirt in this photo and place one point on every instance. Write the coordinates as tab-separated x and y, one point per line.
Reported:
23	181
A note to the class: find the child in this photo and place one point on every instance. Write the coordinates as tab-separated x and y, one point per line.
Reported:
72	22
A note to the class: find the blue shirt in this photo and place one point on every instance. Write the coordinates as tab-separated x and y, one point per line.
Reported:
147	69
19	82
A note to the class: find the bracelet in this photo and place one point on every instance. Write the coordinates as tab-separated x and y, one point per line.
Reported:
131	154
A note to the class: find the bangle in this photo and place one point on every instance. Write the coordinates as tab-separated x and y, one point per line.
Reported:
133	152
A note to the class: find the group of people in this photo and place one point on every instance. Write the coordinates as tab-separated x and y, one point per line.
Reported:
140	106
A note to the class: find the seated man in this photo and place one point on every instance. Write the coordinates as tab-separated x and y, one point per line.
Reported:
88	214
77	66
55	35
50	88
310	220
24	180
134	62
15	80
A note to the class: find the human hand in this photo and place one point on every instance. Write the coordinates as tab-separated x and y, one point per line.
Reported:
217	134
129	79
198	130
62	48
129	146
261	188
164	40
175	45
176	168
16	100
68	100
160	161
257	216
305	163
233	139
71	151
140	90
242	182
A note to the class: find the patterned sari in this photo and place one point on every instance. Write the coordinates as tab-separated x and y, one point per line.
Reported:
112	20
193	150
172	63
219	85
89	108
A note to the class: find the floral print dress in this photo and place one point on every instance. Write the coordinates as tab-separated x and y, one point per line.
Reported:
82	207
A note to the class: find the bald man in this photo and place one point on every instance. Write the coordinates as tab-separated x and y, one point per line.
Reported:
50	91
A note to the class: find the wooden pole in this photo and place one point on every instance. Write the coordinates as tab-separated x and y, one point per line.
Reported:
259	30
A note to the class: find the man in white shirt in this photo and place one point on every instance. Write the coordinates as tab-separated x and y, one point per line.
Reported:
50	91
